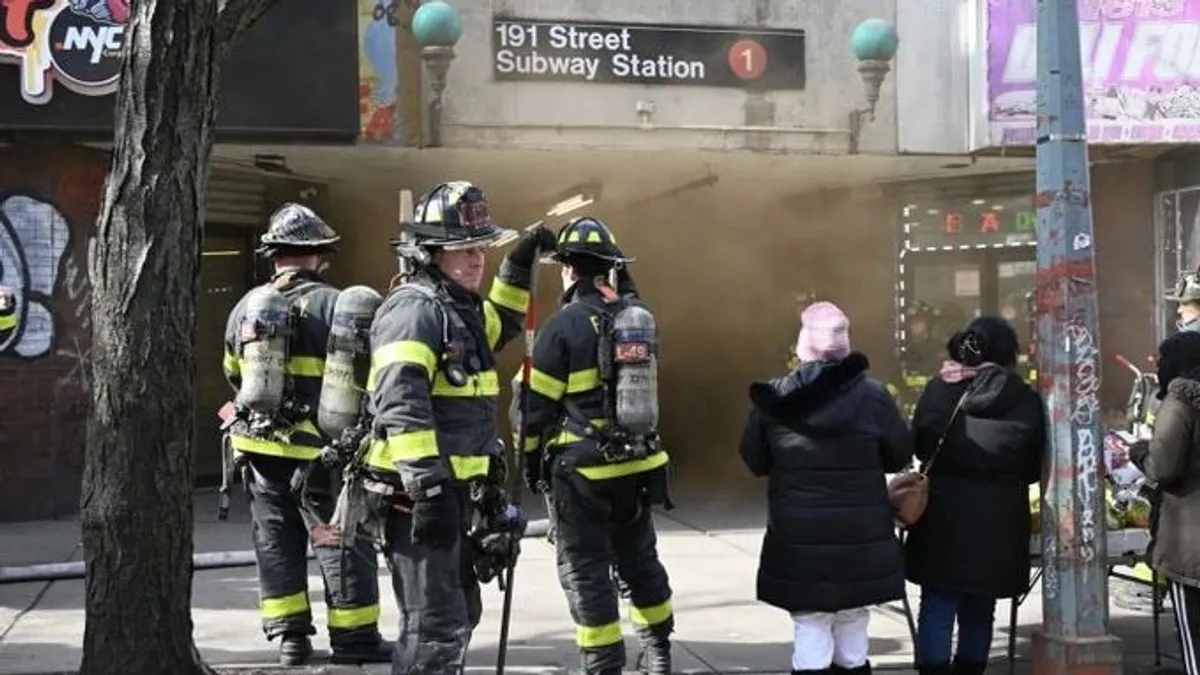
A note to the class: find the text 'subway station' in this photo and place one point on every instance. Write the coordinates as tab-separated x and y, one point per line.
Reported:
566	51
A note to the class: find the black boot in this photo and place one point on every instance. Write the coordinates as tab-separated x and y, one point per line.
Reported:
864	669
655	655
377	652
968	668
940	669
608	660
821	671
295	649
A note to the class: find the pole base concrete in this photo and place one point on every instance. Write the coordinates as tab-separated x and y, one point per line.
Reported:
1061	655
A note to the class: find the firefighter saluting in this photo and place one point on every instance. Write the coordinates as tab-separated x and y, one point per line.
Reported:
275	341
433	398
593	390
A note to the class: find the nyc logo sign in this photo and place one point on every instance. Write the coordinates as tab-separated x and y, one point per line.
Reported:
76	43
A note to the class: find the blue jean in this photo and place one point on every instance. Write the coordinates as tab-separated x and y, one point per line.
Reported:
935	626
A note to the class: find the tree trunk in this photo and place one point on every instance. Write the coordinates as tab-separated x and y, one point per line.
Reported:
138	476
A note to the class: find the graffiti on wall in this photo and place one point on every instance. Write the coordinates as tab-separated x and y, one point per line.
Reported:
33	238
377	74
78	289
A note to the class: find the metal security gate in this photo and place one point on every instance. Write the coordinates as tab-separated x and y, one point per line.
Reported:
235	197
1177	246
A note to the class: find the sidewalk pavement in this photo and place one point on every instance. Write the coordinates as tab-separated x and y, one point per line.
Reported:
710	548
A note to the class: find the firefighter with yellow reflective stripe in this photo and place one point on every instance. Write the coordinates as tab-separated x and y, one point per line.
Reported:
433	391
278	445
593	398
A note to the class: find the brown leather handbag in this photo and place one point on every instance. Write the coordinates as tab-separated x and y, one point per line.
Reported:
909	490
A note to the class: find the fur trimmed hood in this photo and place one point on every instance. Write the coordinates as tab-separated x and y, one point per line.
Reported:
817	394
1186	388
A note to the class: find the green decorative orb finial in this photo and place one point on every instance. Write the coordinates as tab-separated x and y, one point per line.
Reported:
436	24
874	40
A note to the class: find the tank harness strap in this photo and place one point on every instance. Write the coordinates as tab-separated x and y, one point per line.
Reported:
448	318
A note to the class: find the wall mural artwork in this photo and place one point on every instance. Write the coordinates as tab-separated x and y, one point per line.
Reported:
33	237
377	74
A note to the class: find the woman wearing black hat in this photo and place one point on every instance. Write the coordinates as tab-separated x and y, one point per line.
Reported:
980	431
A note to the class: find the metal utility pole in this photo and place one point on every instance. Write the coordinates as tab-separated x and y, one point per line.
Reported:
1074	636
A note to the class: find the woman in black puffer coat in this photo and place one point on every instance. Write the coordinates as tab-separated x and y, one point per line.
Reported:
824	436
971	546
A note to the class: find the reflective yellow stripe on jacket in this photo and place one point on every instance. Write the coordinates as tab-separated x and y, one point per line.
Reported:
283	447
411	352
554	389
614	469
8	321
508	296
383	454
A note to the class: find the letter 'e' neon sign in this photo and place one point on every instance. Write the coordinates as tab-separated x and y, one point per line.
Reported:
77	43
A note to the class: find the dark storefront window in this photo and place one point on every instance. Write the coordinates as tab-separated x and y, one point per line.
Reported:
966	248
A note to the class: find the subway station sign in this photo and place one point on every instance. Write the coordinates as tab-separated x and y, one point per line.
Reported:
539	50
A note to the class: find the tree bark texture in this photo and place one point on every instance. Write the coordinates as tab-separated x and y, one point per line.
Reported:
138	476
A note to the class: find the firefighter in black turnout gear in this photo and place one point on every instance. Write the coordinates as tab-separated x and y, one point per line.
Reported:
433	397
592	415
275	343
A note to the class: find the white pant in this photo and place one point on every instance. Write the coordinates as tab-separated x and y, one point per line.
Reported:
824	640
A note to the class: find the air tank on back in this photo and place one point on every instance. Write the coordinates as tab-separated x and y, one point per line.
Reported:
347	359
262	345
635	358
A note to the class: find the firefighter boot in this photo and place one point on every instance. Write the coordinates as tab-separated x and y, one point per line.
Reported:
377	652
295	649
864	669
655	657
608	660
939	669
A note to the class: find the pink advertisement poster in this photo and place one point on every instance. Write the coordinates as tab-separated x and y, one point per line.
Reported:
1141	70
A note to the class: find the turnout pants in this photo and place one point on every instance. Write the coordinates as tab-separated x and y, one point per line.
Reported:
1186	602
438	597
600	524
281	546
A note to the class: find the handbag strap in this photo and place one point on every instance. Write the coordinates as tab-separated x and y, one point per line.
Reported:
942	440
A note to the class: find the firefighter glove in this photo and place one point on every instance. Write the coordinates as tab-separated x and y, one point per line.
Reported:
533	472
538	239
435	521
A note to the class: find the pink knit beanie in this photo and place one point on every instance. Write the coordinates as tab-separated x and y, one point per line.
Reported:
824	333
